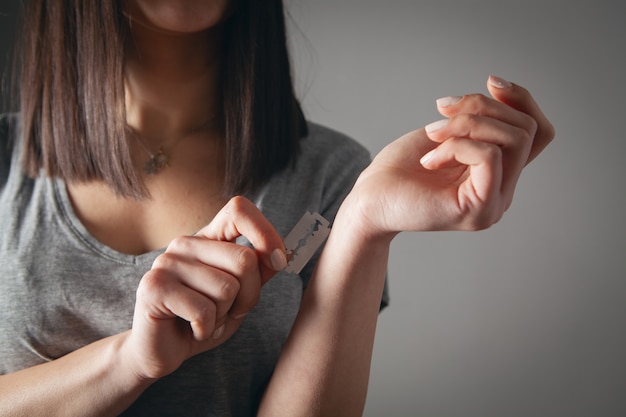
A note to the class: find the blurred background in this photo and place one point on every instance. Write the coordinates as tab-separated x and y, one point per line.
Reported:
527	318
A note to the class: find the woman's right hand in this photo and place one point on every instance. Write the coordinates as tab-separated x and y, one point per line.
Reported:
199	290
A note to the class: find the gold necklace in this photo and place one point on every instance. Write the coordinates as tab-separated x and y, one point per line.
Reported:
160	160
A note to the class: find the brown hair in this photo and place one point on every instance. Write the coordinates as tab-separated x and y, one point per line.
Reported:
72	94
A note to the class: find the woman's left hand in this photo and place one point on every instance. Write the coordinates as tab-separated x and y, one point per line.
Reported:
456	174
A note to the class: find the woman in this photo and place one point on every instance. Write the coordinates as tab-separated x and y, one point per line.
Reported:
153	137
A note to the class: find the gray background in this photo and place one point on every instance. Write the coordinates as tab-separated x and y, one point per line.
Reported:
529	317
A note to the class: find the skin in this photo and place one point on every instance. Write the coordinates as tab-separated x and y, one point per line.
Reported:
178	16
171	77
461	176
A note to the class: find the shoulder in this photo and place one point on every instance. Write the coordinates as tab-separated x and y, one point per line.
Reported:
328	142
325	170
327	166
330	151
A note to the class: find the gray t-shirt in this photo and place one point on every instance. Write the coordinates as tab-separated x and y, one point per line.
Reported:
61	289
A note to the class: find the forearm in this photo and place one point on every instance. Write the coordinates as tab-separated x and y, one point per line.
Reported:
91	381
324	366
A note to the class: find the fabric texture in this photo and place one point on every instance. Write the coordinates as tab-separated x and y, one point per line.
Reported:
61	289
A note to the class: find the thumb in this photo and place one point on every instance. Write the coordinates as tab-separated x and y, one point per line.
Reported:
240	217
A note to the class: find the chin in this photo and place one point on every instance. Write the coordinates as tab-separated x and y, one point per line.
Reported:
178	16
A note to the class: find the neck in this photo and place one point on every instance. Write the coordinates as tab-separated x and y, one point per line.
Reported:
171	81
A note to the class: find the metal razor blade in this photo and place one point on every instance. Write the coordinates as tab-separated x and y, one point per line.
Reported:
304	239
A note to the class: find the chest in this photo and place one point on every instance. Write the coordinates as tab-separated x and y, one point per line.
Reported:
131	226
60	289
58	293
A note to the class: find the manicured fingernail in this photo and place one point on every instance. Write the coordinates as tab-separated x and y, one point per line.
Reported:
219	331
424	160
434	126
278	260
448	101
499	82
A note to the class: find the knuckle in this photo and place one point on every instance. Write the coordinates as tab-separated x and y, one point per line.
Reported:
153	283
525	140
237	205
180	244
227	289
476	102
469	118
530	125
246	259
492	154
204	321
205	314
165	261
466	123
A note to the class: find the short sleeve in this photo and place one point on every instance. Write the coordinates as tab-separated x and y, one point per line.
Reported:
340	170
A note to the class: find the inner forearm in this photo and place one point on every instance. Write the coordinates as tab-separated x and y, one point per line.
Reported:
92	381
324	367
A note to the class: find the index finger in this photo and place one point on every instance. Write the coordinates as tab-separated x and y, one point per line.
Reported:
240	217
520	99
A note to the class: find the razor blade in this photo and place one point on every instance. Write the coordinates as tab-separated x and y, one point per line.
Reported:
304	240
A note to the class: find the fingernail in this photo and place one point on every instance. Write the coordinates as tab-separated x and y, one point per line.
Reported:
278	260
240	316
424	160
434	126
499	82
448	101
219	331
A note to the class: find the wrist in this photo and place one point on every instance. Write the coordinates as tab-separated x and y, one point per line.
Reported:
358	216
121	358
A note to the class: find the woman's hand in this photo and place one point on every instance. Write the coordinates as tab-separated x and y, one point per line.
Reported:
198	292
456	174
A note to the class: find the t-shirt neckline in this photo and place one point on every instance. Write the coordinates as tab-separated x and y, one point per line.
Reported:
71	219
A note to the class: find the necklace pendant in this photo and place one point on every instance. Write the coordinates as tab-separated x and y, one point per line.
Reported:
156	163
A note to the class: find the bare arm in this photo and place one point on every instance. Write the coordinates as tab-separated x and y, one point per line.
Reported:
92	381
466	183
457	174
193	299
326	359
